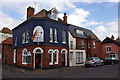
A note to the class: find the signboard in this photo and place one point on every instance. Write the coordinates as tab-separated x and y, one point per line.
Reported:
38	34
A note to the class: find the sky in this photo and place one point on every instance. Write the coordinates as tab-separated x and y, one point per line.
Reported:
99	16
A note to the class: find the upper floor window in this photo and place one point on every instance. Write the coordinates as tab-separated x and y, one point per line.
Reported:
55	35
71	44
79	31
82	44
25	37
15	41
89	43
51	34
54	16
94	44
108	49
63	36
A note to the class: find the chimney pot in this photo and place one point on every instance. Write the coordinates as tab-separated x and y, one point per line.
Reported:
65	18
112	37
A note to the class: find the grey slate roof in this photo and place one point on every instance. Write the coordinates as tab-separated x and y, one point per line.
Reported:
87	32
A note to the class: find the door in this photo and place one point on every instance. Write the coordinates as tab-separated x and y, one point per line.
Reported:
37	60
70	58
63	60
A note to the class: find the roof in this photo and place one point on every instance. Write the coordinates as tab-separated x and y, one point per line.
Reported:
109	40
88	34
6	30
41	14
7	41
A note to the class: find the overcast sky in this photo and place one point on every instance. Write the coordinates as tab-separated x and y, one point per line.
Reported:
99	16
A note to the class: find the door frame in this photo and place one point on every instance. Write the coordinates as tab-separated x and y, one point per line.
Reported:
65	55
34	51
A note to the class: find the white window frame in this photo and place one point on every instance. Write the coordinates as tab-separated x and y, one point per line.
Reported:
56	51
108	49
51	34
82	44
14	56
29	54
63	36
89	43
25	37
71	44
56	37
24	55
65	55
94	46
51	52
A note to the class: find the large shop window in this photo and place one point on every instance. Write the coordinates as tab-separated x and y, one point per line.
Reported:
26	57
79	57
63	36
55	35
56	56
50	57
25	37
51	34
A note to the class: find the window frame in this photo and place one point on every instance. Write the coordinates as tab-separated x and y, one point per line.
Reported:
50	52
57	56
94	46
51	34
63	36
25	37
15	41
71	44
82	44
108	47
79	58
56	35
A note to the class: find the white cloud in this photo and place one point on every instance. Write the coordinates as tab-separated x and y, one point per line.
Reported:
92	23
7	21
108	30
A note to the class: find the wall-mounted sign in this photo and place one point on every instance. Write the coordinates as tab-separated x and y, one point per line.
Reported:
38	34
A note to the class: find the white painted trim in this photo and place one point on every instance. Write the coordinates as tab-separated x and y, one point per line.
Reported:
14	56
65	56
51	63
34	51
57	55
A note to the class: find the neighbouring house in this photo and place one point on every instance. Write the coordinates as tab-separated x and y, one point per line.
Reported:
110	48
83	43
7	51
41	41
5	33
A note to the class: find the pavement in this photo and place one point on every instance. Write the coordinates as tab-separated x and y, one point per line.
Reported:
106	71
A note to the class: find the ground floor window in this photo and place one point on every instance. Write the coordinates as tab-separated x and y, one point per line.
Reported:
50	57
79	57
29	58
56	56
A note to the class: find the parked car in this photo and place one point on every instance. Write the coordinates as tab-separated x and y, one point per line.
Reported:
93	61
111	60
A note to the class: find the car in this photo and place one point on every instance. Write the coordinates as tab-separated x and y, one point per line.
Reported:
111	60
93	61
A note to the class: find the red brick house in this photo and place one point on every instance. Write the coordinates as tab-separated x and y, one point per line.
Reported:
110	48
7	51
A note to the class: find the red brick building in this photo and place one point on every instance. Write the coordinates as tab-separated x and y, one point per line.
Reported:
110	48
7	51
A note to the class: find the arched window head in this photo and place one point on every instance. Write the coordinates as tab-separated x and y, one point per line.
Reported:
24	52
63	51
38	50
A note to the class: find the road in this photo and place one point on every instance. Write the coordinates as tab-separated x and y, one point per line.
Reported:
106	71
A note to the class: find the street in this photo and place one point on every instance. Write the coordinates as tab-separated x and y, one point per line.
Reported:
106	71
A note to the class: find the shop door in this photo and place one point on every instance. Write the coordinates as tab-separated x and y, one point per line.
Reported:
37	60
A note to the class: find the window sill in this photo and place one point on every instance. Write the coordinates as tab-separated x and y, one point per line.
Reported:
56	42
24	63
64	42
56	62
51	41
50	63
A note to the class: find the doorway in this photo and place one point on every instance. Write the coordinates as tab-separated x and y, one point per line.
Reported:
38	60
63	60
70	58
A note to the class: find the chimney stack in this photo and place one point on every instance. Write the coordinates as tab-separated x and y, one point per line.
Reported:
65	18
112	37
30	11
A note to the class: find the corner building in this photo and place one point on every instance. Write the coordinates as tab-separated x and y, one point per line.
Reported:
41	41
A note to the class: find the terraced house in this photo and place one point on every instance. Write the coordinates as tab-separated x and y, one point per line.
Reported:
41	41
83	43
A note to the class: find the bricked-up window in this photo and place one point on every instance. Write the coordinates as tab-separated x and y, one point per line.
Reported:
25	37
79	57
50	57
56	52
55	35
71	44
29	58
82	44
89	44
51	34
94	44
108	49
63	36
15	41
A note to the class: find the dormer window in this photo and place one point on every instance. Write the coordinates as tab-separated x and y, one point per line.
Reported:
79	31
54	16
